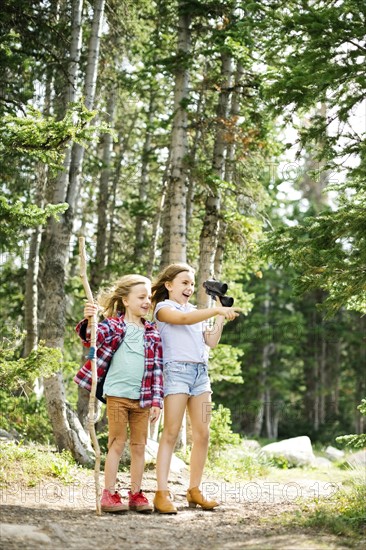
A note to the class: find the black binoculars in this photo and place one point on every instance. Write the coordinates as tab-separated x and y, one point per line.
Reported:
216	289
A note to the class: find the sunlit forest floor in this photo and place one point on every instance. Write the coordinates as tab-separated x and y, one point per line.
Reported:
263	512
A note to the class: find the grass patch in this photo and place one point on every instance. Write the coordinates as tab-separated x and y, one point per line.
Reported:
342	514
29	465
233	464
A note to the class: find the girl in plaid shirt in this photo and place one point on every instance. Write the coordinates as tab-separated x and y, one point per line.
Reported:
129	351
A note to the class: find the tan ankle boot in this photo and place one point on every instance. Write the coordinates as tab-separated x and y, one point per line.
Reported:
163	503
194	497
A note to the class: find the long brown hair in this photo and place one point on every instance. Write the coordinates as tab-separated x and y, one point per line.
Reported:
159	291
110	300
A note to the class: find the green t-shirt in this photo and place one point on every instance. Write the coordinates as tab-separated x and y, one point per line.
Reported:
126	371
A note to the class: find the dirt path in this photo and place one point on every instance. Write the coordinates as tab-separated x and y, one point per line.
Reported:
51	515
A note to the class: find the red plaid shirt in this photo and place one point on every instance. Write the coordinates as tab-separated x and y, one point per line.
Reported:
110	334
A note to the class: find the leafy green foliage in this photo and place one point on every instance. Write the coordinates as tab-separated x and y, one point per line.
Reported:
44	138
328	252
225	364
220	430
16	372
355	441
26	48
314	54
17	217
25	417
290	56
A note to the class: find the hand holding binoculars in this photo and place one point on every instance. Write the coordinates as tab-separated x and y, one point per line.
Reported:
216	289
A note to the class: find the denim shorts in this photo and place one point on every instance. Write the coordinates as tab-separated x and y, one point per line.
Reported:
185	377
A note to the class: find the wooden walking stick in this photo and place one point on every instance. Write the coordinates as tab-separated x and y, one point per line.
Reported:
92	323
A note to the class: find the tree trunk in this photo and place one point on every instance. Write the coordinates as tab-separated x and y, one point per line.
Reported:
315	373
67	429
77	154
31	298
59	192
140	219
268	408
267	351
155	231
229	170
359	419
192	159
177	179
210	227
98	266
122	146
324	388
164	219
258	421
31	280
174	213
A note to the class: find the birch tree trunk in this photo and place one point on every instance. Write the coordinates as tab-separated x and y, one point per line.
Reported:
67	429
31	299
229	169
174	214
122	146
210	228
98	266
71	91
165	220
31	280
193	156
266	362
77	154
177	179
140	220
155	231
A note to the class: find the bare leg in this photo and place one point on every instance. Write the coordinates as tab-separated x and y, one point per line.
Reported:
174	407
112	462
199	408
137	466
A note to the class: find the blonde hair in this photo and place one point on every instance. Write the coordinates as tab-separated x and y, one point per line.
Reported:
159	291
110	300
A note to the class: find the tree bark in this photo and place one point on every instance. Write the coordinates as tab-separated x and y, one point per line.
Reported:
155	231
31	298
210	228
229	170
97	271
177	179
31	280
192	157
140	220
122	146
316	374
67	429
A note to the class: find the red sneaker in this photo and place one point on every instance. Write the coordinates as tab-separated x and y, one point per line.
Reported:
112	502
139	503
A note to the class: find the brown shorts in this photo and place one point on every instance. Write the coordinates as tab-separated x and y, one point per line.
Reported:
123	412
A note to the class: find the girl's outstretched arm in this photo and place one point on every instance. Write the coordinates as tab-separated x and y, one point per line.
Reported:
169	315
